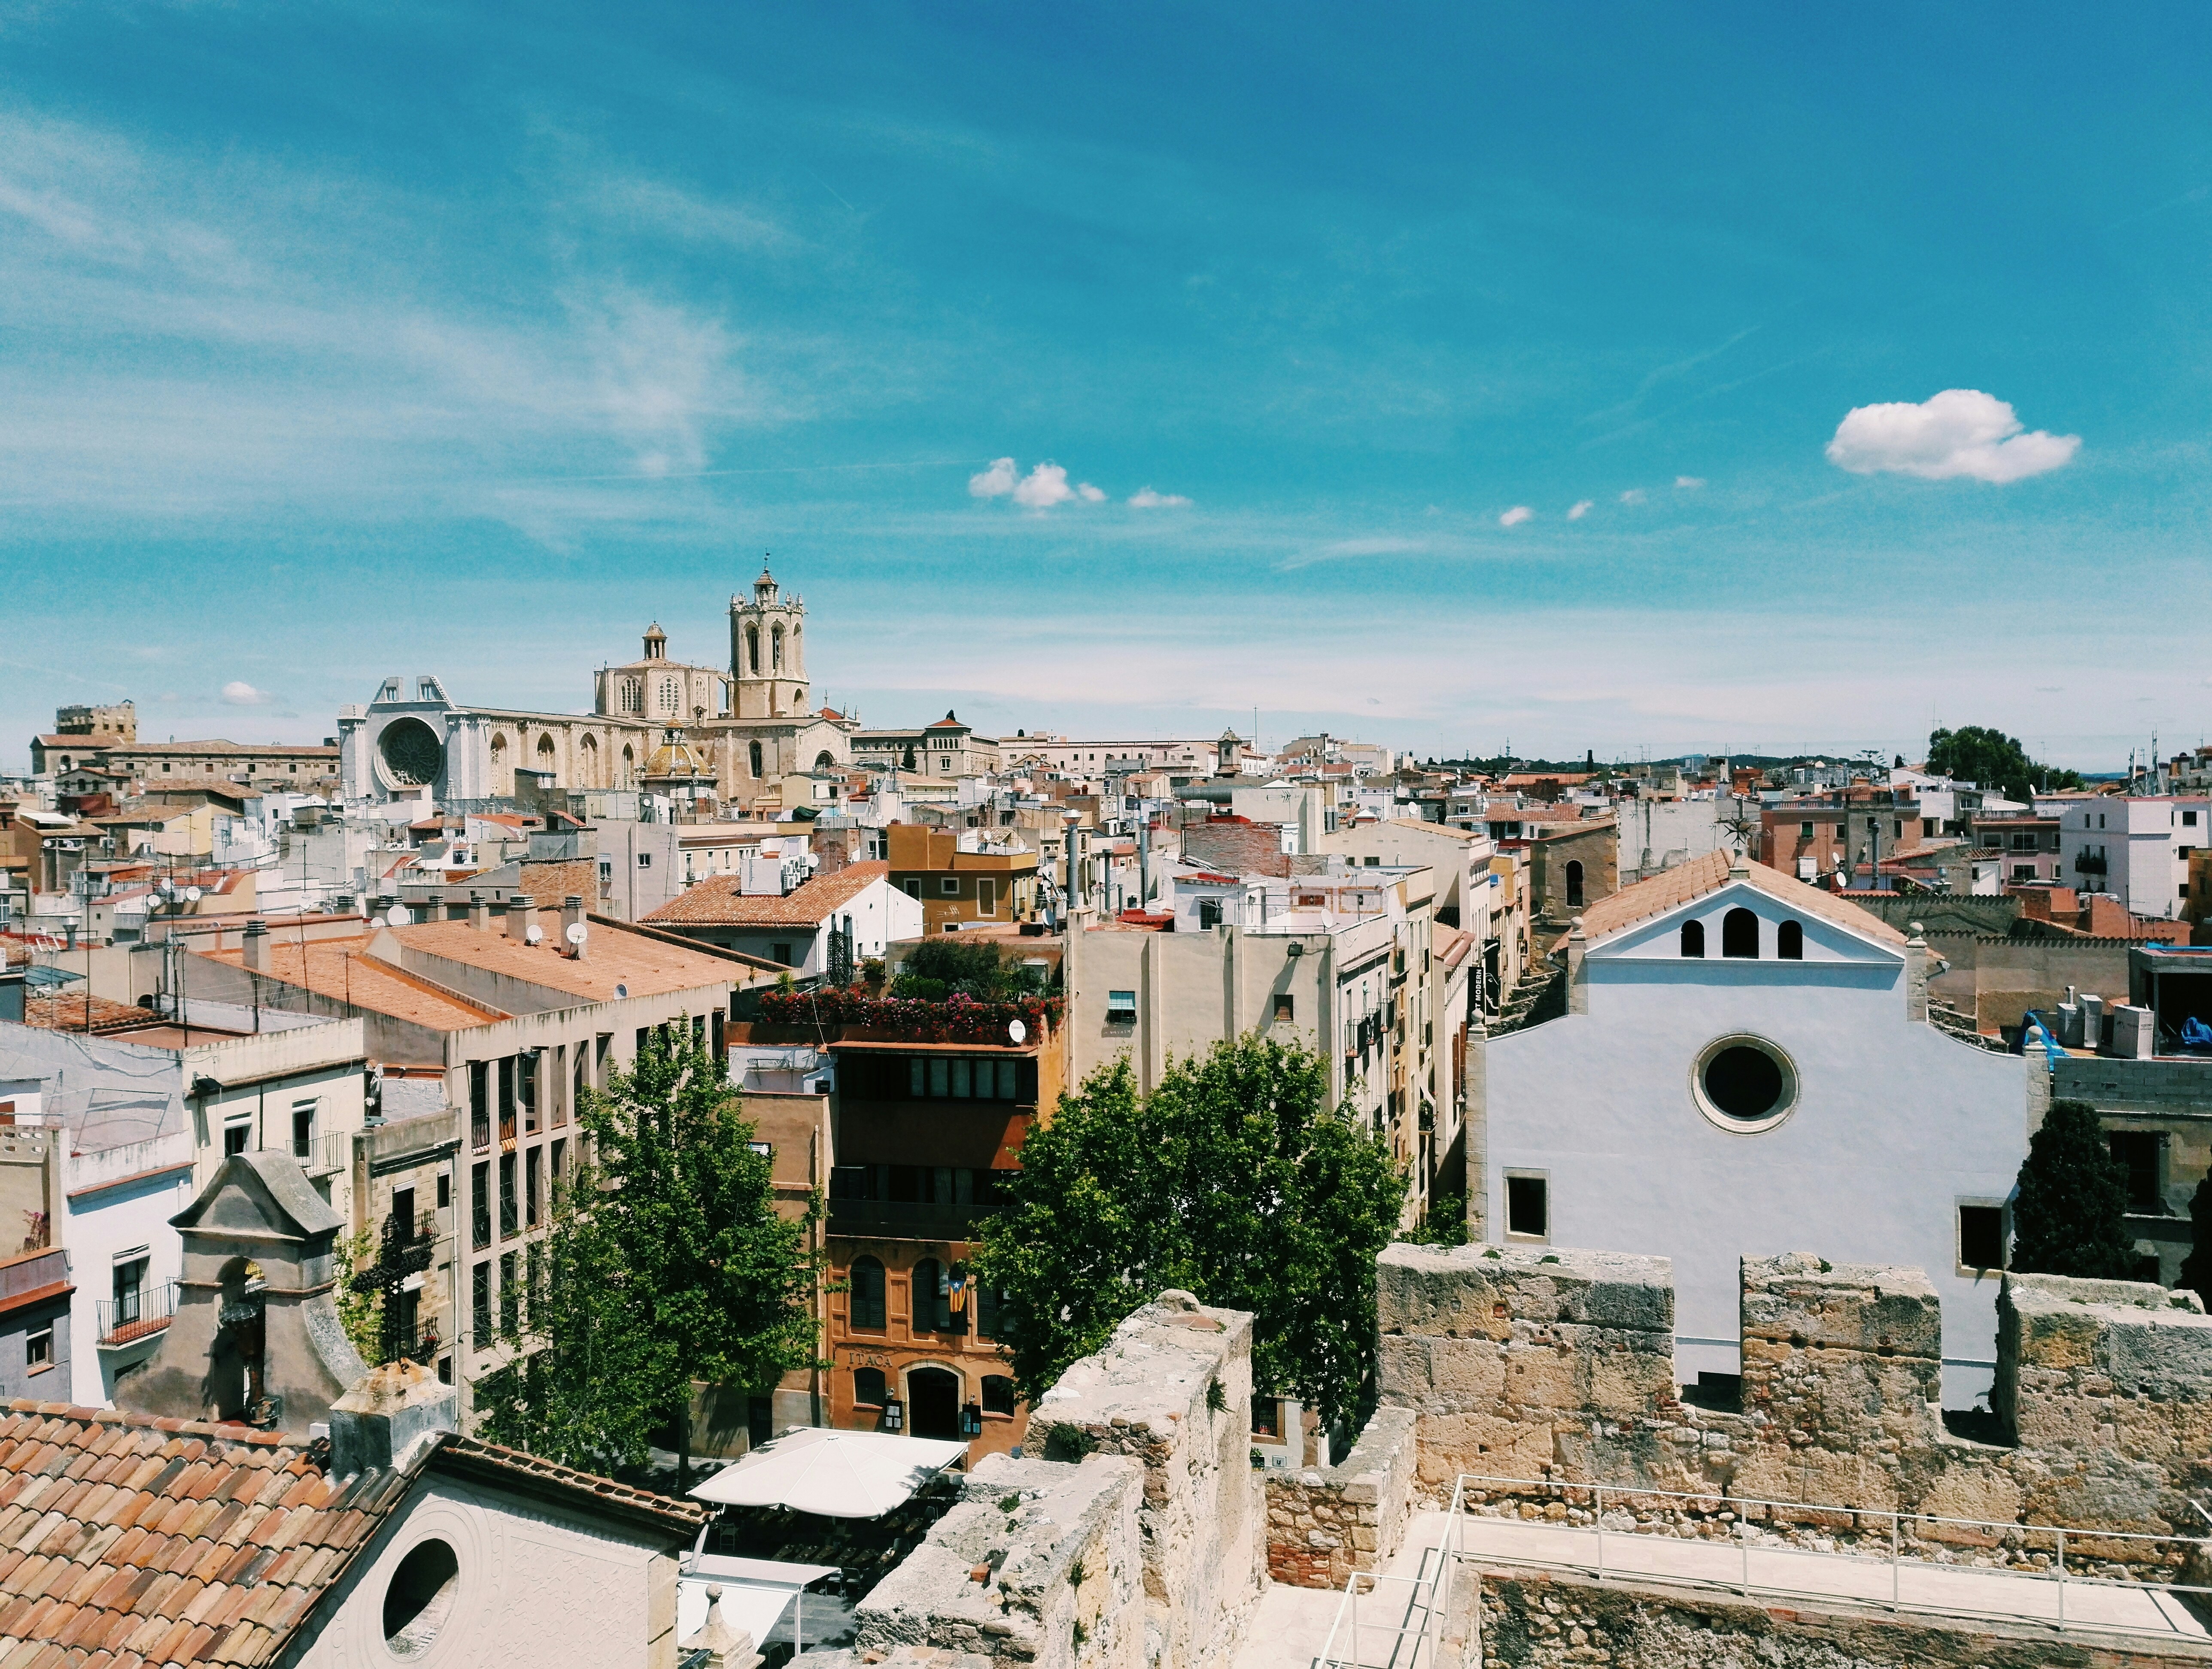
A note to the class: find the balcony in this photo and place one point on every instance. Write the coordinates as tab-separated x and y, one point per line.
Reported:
137	1314
888	1219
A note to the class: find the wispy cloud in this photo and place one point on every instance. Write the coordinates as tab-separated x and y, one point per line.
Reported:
1347	549
1958	432
239	693
1633	495
1516	516
1688	483
1042	488
1146	499
1579	509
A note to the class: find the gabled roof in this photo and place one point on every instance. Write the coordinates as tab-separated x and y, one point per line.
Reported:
260	1190
1687	883
718	900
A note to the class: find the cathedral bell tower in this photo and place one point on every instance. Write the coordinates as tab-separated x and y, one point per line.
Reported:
767	651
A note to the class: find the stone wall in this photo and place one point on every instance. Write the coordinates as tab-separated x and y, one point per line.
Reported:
1533	1621
1553	1365
1134	1541
1325	1523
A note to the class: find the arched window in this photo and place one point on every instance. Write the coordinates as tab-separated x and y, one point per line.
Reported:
867	1298
933	1298
798	698
868	1387
628	765
668	695
823	761
1574	883
1694	939
753	752
1739	933
590	745
633	696
1790	941
776	648
753	648
545	752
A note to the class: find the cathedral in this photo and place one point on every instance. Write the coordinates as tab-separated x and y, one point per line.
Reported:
747	738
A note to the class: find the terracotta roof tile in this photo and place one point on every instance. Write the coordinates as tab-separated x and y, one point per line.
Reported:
718	901
342	968
1709	874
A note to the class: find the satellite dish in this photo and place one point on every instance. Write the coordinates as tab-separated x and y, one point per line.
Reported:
577	932
622	990
191	895
533	934
1016	1030
398	918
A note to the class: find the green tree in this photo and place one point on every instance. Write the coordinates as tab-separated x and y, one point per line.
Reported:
359	1314
1237	1179
666	1263
2196	1268
2066	1218
1991	759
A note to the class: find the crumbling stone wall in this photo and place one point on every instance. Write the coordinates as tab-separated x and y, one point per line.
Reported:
1325	1523
1132	1542
1173	1391
1037	1564
1531	1622
1548	1364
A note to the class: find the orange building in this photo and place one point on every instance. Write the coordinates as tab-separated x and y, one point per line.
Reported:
963	877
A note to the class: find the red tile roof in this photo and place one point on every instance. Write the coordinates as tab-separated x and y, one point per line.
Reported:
1709	874
128	1541
718	901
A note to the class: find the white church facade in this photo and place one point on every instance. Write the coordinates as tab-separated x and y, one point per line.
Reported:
1747	1068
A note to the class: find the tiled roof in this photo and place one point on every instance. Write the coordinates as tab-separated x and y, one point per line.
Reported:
718	901
125	1541
342	968
65	1011
243	750
1709	874
648	964
469	1454
554	882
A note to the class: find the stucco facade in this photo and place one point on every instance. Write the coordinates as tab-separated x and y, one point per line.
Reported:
1885	1128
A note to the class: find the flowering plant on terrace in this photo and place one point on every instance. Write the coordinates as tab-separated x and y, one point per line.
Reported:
958	1018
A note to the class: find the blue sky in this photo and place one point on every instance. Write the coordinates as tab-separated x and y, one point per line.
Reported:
336	342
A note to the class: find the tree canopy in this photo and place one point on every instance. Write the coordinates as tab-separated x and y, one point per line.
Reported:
2066	1218
1237	1179
666	1263
1991	759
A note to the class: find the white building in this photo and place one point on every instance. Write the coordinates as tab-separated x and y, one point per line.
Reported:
2135	848
1745	1068
777	909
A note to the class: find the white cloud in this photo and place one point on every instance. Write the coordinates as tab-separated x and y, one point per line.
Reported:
1581	508
1633	495
1958	432
239	693
1516	516
993	483
1146	499
1040	490
1688	483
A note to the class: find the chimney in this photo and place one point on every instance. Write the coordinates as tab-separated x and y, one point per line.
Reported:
479	914
385	1414
572	915
257	945
521	916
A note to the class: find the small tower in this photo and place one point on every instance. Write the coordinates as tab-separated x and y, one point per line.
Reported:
767	651
656	642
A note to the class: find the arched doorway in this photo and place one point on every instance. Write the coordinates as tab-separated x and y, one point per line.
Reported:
932	1398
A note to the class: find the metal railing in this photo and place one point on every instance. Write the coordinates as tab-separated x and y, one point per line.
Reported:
886	1219
1406	1613
135	1315
2025	1562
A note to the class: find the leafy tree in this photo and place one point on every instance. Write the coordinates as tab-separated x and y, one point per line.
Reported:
1236	1180
359	1314
666	1263
1444	1223
939	968
2073	1193
2196	1268
1991	759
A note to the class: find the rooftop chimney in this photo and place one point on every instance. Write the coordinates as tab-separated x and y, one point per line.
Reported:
479	914
572	915
257	945
521	916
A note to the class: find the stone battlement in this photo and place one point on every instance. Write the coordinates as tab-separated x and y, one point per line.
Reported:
1551	1364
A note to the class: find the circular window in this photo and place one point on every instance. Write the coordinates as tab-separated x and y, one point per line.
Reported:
1745	1083
420	1598
411	753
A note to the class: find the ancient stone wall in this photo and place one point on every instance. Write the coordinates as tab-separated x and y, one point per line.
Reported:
1173	1391
1325	1523
1132	1542
1038	1564
1534	1621
1546	1364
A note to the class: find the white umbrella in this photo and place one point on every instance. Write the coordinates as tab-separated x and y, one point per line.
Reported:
837	1474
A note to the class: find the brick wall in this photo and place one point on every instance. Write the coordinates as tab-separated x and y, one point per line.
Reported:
1324	1523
